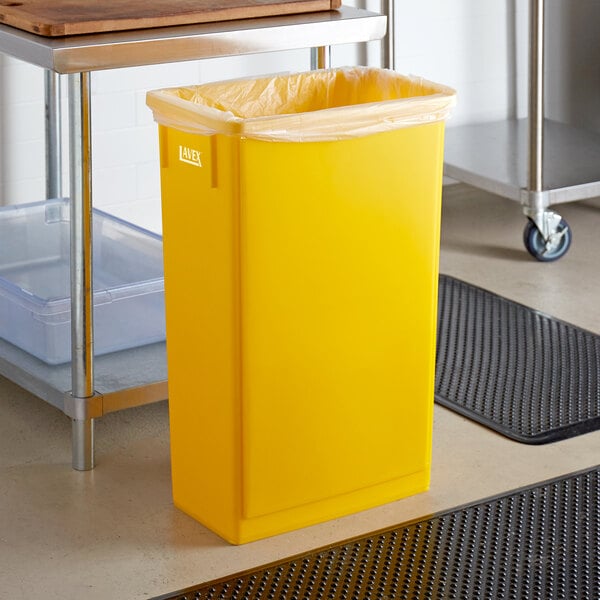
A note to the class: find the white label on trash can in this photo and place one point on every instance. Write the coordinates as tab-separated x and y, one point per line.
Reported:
190	156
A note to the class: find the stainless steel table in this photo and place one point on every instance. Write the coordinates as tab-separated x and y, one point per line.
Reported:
90	387
534	161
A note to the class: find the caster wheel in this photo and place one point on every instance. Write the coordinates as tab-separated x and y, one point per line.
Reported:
552	249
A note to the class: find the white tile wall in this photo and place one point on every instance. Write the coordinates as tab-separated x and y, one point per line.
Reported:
21	131
480	48
466	44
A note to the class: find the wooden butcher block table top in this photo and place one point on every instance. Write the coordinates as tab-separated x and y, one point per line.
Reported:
71	17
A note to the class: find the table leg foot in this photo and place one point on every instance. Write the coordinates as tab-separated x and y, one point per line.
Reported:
83	444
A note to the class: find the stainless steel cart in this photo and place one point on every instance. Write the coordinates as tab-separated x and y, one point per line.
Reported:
90	387
534	161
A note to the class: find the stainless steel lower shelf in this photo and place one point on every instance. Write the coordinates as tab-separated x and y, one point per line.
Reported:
494	157
122	379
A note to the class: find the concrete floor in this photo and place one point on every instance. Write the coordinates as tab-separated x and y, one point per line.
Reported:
114	533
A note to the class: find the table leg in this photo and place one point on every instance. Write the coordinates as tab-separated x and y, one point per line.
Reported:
53	135
388	43
536	97
82	343
320	58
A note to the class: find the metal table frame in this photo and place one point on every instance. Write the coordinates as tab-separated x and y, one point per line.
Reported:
78	56
534	161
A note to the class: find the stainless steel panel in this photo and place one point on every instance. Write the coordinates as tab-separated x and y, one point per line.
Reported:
494	157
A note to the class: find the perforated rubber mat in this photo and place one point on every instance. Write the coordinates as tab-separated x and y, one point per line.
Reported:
538	543
518	371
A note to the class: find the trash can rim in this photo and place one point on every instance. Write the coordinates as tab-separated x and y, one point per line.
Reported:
322	124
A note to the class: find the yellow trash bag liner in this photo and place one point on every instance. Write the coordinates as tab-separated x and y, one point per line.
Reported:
322	105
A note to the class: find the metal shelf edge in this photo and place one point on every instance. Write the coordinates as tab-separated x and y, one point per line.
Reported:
137	396
74	54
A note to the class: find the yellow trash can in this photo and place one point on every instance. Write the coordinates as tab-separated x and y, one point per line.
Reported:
301	218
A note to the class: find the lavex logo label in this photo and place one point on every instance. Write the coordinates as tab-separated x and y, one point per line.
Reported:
190	156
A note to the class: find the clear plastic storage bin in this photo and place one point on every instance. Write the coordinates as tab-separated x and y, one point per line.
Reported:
35	306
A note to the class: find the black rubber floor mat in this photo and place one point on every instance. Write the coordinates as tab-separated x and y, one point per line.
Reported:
516	370
538	543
